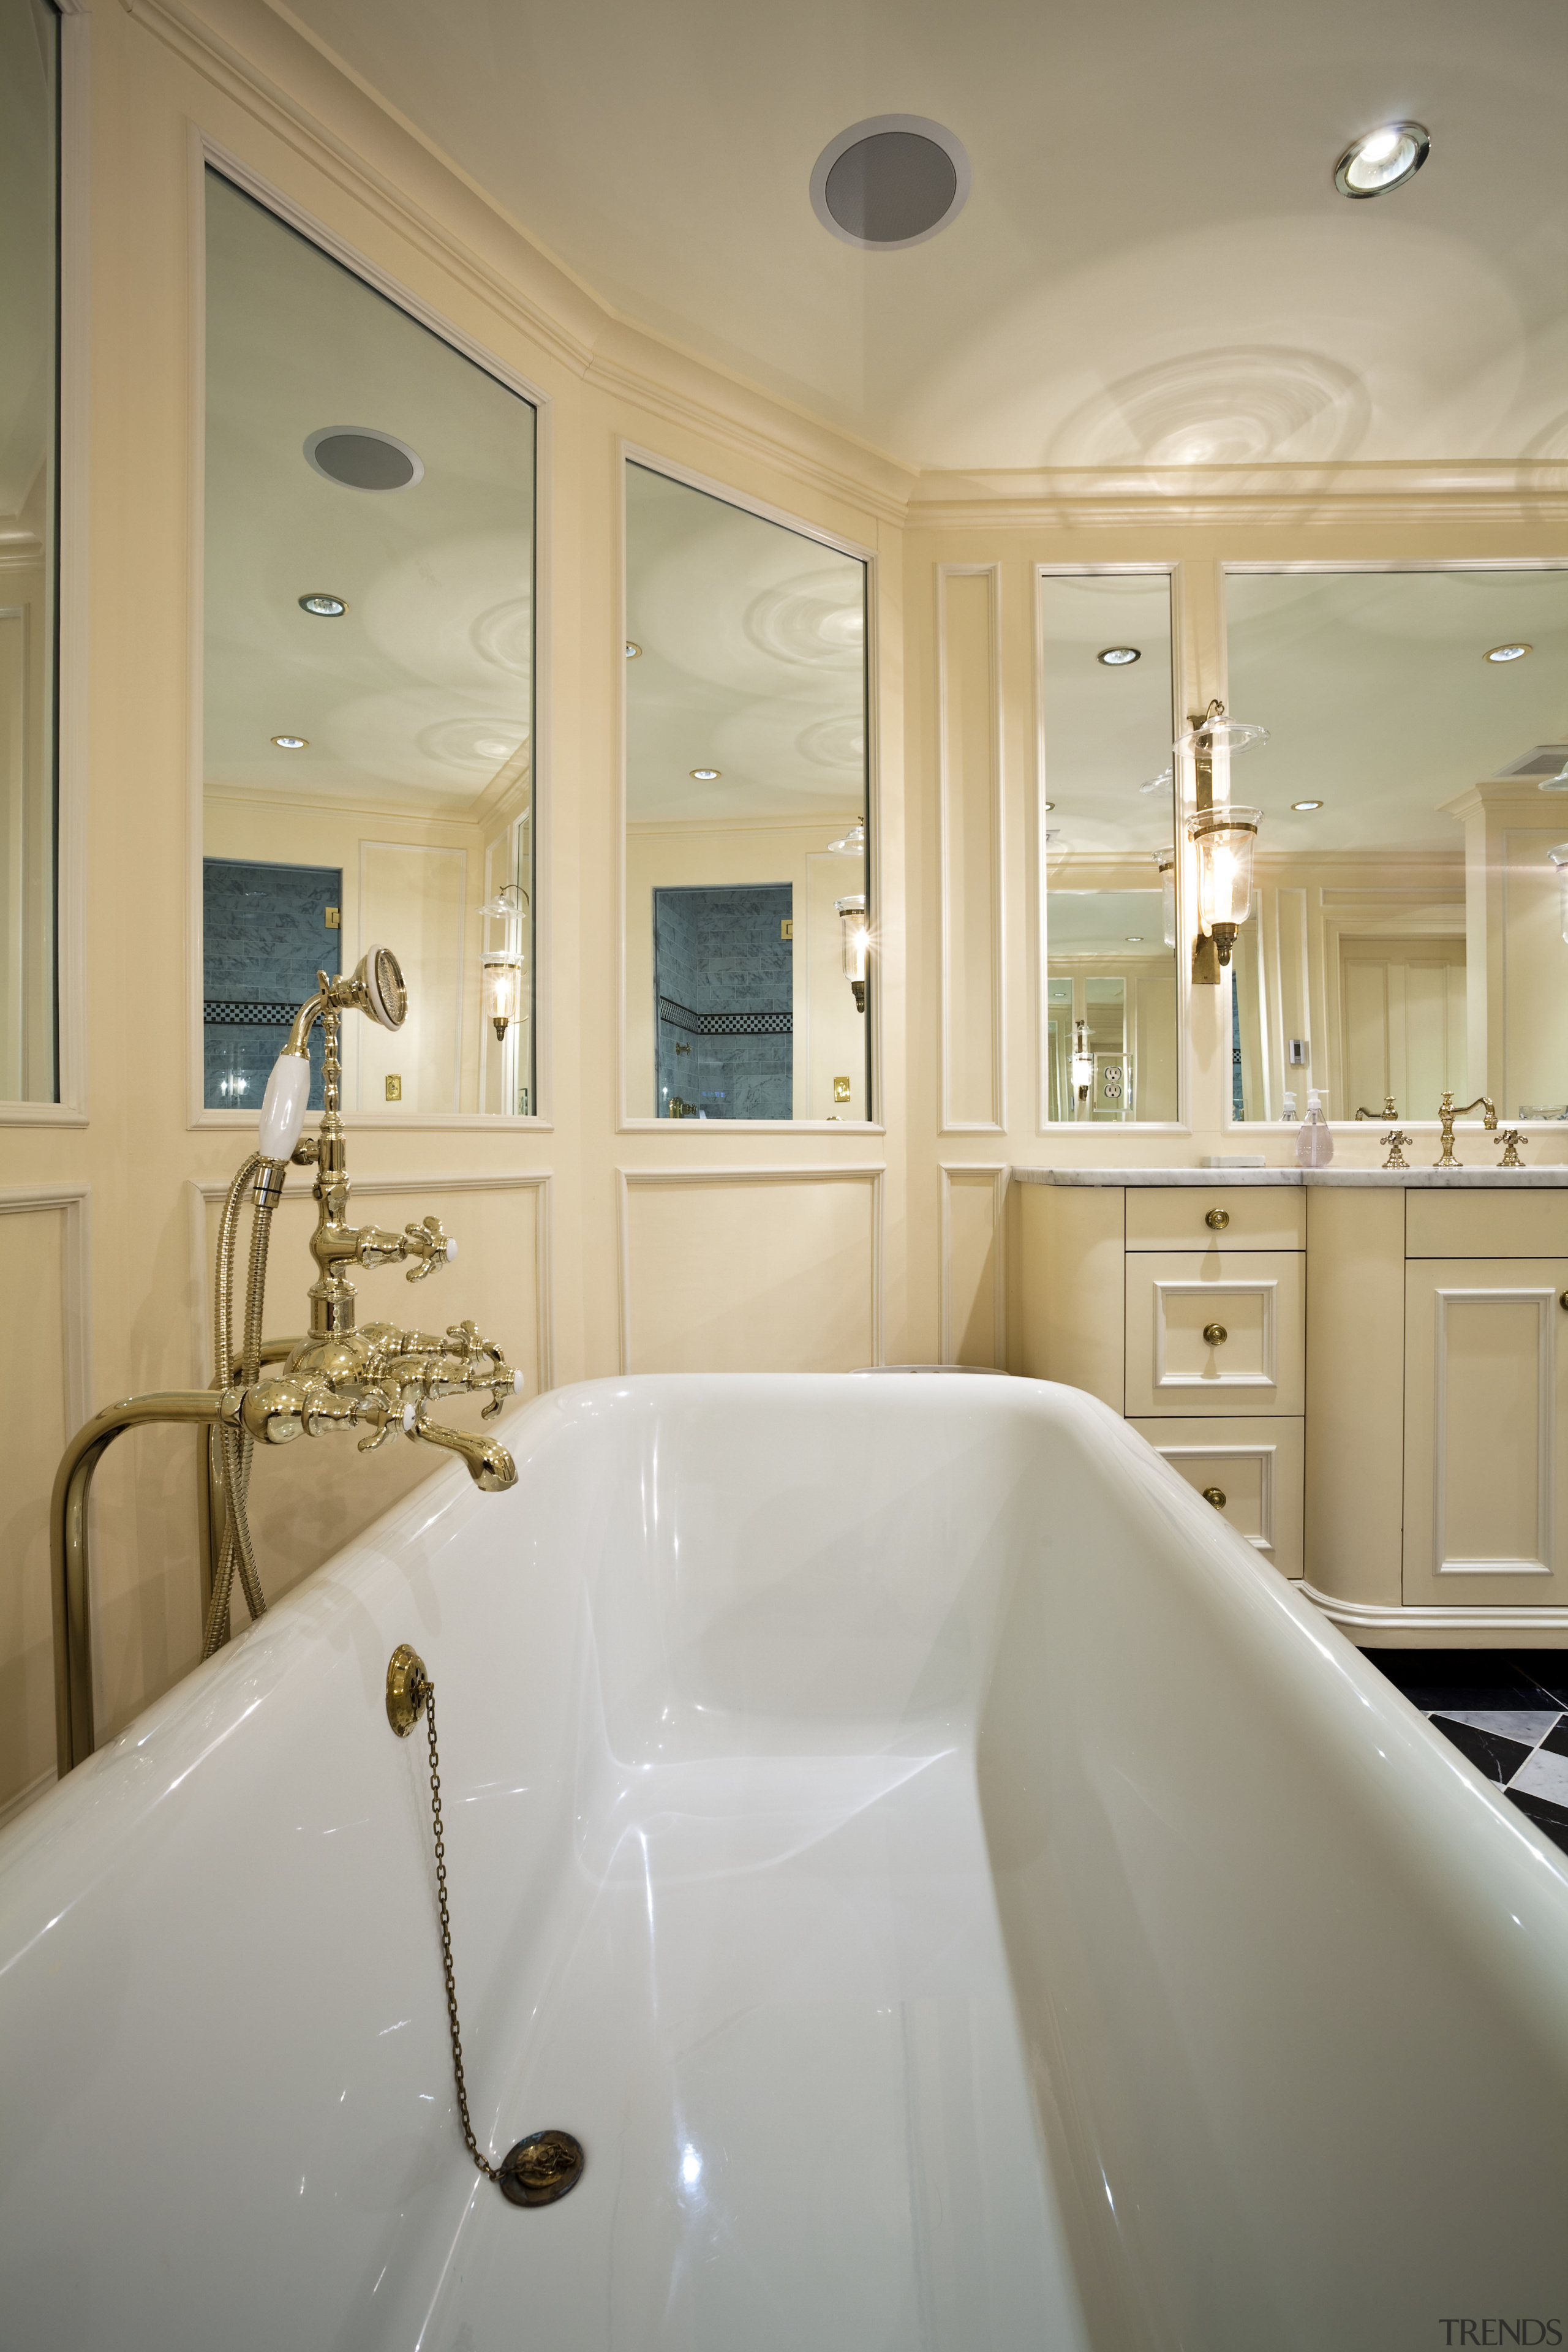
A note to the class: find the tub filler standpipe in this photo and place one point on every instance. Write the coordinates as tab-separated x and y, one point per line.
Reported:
545	2165
380	1380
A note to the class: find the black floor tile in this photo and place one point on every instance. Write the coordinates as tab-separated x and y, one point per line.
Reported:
1549	1818
1547	1669
1497	1758
1464	1678
1557	1737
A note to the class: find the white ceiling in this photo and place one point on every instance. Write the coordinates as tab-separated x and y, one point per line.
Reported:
419	698
1152	263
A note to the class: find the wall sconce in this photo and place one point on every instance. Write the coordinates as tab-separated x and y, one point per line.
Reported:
502	989
1165	866
851	914
1559	857
1223	837
1082	1066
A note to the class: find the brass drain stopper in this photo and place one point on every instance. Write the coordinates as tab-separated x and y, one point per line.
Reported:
542	2168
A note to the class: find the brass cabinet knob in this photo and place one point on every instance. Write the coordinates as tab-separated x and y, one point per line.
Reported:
1215	1495
1215	1334
1217	1219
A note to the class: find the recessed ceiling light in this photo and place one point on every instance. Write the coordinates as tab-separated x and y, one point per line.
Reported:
1306	804
324	608
891	181
362	459
1119	656
292	742
1383	159
632	651
1507	653
706	775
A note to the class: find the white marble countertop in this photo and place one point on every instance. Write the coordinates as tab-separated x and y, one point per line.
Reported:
1471	1179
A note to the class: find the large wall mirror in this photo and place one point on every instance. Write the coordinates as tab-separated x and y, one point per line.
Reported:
1110	1025
750	976
30	282
1410	926
369	682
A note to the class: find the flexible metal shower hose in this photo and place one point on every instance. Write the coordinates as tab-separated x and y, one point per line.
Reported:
238	1445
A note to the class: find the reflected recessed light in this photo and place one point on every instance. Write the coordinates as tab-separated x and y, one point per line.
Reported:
292	742
1507	653
1134	938
706	775
1383	159
1119	656
324	608
632	651
1306	804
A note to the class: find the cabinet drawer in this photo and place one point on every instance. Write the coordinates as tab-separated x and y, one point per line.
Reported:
1228	1216
1256	1466
1486	1224
1174	1301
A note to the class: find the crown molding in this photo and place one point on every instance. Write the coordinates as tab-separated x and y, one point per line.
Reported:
277	70
1413	490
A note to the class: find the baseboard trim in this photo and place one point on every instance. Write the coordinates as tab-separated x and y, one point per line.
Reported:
1368	1617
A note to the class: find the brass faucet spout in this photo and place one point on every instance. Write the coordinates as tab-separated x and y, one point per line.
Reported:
491	1467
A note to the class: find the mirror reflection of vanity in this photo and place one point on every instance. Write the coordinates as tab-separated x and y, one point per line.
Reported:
748	963
1408	927
368	680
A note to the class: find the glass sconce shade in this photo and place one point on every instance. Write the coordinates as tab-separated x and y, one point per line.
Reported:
1218	733
1080	1069
851	914
1165	866
502	989
1559	857
1224	837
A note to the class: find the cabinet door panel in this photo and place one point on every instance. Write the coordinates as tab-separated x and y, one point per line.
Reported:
1485	1448
1256	1466
1175	1302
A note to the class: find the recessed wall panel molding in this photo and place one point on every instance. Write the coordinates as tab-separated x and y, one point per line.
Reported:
44	1279
969	730
750	1269
972	1274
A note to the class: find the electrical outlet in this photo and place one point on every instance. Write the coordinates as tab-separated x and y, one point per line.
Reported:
1298	1053
393	1087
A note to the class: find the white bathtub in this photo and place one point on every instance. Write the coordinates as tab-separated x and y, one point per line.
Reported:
958	1897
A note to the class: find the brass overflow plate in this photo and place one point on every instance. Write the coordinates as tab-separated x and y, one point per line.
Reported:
407	1685
541	2168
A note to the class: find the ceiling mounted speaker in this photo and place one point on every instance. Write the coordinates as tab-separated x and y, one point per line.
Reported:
360	458
889	182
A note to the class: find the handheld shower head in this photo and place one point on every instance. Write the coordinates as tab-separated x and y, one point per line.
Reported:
375	987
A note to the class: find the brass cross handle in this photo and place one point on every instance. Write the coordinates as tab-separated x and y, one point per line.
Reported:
1215	1334
1395	1141
1510	1140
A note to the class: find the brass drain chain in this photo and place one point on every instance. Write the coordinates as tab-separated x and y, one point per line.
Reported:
545	2164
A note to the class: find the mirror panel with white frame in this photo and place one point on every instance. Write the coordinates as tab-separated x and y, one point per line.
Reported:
369	680
748	977
1409	931
29	275
1112	998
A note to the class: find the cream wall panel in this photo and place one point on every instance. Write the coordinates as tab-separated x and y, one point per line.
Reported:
973	1266
1486	1438
971	828
44	1277
1356	1392
754	1270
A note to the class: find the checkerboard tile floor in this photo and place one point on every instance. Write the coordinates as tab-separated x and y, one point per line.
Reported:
1506	1710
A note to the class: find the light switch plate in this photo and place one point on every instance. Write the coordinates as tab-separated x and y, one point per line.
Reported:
393	1087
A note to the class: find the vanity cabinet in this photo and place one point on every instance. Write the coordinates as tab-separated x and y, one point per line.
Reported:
1387	1413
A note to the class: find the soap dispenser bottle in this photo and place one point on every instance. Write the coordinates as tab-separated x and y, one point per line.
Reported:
1314	1137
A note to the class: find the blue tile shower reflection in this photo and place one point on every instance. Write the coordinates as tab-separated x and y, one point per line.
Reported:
724	982
264	938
